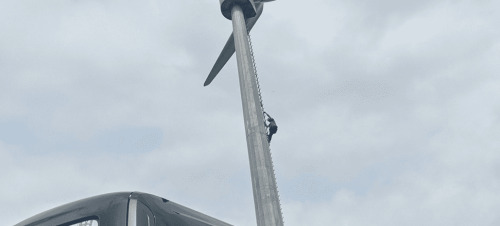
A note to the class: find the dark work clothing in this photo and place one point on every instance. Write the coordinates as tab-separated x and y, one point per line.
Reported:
273	128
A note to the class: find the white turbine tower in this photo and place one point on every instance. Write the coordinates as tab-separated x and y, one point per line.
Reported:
244	14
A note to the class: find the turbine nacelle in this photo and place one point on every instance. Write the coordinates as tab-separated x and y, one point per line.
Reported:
248	7
262	1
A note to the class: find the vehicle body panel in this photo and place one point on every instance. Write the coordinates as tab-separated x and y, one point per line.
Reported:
123	209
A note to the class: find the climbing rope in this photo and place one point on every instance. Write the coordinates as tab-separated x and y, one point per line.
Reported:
264	114
256	75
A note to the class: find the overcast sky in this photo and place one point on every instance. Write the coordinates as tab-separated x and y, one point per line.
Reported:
388	111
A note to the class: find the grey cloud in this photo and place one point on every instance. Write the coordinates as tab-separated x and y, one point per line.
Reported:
402	97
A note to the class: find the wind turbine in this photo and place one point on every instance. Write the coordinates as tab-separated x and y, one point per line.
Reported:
141	209
244	14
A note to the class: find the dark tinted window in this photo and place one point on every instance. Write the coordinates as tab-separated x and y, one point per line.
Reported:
144	215
86	223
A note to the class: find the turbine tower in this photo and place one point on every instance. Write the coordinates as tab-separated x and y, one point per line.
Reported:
244	14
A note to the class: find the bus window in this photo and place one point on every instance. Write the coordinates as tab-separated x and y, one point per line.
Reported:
139	214
86	223
144	215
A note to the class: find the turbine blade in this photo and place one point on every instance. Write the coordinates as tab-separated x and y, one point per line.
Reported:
228	50
225	55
